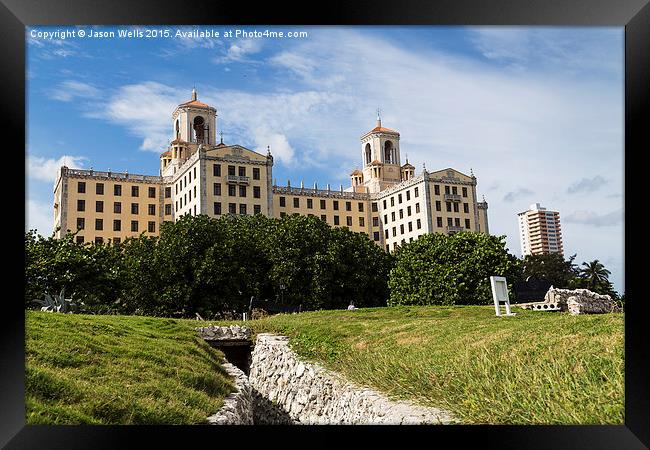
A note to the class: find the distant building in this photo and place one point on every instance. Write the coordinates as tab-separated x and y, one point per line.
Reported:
539	231
386	200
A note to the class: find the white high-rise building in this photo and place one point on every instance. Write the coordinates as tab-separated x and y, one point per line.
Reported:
539	231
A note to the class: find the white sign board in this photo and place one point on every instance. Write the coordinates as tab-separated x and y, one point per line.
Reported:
500	295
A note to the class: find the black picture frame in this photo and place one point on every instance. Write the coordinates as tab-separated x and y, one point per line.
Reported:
634	15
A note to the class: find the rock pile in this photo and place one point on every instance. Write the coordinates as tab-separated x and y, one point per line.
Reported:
581	301
231	333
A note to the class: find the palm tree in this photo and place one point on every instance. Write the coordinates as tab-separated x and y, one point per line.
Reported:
595	274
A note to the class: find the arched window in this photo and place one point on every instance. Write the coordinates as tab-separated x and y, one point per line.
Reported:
178	128
388	152
199	124
368	154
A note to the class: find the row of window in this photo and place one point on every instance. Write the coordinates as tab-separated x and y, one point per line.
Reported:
401	213
454	190
337	220
185	198
117	190
117	225
117	207
182	183
335	204
216	171
232	209
418	225
232	190
416	193
455	207
451	223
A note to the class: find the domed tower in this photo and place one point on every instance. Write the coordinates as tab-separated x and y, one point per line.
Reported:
381	157
195	122
408	171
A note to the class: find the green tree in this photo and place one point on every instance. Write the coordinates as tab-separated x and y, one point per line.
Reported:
437	269
552	268
594	274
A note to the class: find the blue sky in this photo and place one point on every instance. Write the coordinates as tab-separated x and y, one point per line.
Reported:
535	112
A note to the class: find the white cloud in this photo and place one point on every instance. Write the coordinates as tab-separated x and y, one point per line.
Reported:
71	89
38	216
587	185
240	50
44	169
594	219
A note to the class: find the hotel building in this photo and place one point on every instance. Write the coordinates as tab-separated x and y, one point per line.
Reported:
539	231
387	201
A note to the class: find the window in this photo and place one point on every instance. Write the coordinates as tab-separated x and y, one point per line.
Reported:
81	223
410	226
467	223
336	220
168	192
386	234
449	222
322	204
385	204
283	214
176	205
336	205
151	227
135	191
176	186
242	171
231	170
408	195
464	192
80	239
399	198
134	225
392	201
296	202
454	190
394	231
416	192
242	191
455	207
256	173
385	218
117	225
257	209
401	229
116	240
439	219
99	189
216	170
448	206
152	210
99	240
375	236
360	207
81	187
217	208
217	189
417	208
348	221
374	207
436	189
283	202
361	222
232	208
387	247
194	170
168	209
310	203
323	217
408	210
99	224
242	208
232	190
99	206
348	206
457	222
446	189
190	177
134	208
392	216
438	205
117	190
190	195
375	221
466	207
401	213
152	192
418	224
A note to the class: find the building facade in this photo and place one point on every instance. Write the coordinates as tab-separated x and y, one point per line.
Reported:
386	200
540	232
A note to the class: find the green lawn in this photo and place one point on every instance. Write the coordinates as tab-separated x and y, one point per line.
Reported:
84	369
535	368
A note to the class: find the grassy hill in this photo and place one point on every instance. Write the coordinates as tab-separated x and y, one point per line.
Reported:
84	369
535	368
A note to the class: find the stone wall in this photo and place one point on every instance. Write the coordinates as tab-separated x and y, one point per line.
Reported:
292	391
581	301
238	406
